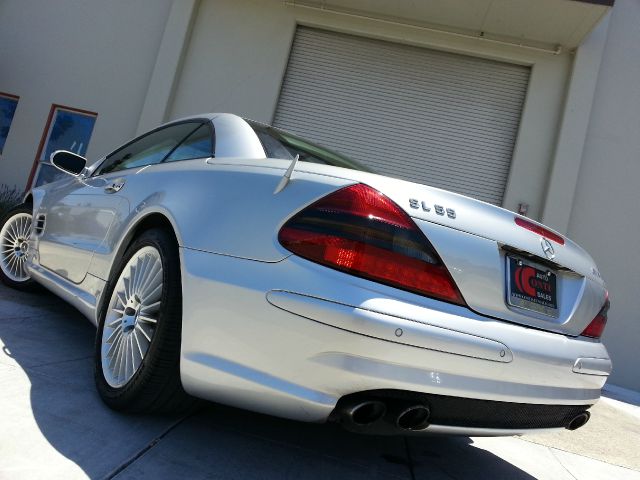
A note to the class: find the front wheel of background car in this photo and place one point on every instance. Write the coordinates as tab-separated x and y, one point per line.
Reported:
137	361
15	231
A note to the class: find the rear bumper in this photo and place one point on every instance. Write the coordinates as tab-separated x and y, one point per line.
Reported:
451	414
292	338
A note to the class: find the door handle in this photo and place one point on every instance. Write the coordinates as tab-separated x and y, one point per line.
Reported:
115	186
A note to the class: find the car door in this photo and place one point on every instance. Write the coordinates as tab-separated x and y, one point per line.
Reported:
76	215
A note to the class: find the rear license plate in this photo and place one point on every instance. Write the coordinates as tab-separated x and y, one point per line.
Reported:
531	288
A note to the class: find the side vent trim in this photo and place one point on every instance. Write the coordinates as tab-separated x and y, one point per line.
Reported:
39	225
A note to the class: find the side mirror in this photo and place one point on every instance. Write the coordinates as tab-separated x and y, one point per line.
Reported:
68	162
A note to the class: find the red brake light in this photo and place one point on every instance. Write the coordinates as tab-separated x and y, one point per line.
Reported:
596	327
360	231
543	232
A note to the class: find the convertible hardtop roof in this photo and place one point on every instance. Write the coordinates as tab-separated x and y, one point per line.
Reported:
205	116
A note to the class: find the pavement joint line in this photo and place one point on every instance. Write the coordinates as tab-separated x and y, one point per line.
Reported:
578	454
44	375
36	316
46	364
553	454
20	317
145	449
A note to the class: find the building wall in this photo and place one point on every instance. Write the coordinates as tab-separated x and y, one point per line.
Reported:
238	54
606	218
96	56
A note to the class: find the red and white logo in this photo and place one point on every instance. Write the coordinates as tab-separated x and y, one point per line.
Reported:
523	279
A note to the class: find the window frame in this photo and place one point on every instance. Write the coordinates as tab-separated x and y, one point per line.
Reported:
16	98
196	121
47	132
210	127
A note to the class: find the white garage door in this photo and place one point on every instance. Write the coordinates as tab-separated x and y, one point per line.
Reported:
431	117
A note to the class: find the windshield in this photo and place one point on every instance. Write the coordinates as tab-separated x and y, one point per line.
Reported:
280	144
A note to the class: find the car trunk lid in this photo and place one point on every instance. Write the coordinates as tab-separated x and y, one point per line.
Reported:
490	245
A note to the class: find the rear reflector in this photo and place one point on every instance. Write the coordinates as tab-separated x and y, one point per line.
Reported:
543	232
360	231
596	327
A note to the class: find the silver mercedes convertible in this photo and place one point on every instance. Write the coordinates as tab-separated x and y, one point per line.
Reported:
228	260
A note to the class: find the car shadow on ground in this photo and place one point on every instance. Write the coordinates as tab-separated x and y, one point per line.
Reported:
54	424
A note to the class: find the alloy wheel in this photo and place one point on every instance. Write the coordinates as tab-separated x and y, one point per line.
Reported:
14	246
132	317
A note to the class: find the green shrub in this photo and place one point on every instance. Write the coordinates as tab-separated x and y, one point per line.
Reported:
9	198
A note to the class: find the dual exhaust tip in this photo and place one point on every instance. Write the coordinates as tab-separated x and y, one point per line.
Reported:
414	417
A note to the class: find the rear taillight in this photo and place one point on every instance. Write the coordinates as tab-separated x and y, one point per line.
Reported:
360	231
596	327
543	232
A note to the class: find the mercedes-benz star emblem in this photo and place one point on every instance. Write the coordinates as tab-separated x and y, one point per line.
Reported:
547	248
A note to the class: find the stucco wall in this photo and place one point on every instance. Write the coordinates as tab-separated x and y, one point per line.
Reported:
606	216
89	54
239	50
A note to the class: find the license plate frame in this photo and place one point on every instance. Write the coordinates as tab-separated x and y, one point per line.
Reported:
532	287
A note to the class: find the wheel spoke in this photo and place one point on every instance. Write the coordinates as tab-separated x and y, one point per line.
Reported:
154	294
12	264
146	335
114	345
127	289
123	359
135	335
154	273
151	308
132	350
140	274
121	298
127	357
134	271
11	232
23	270
115	359
147	319
117	330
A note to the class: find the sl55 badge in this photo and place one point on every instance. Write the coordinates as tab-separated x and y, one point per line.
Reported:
438	209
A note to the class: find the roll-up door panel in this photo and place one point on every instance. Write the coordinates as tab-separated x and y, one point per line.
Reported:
437	118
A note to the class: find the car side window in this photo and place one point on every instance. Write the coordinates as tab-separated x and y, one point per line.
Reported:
280	144
197	145
272	146
148	150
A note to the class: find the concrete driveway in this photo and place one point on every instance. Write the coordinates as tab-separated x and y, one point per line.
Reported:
53	425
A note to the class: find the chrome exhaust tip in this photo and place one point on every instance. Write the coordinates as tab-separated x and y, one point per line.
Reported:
366	413
415	417
578	421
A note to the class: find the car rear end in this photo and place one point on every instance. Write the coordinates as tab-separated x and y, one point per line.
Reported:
393	307
521	306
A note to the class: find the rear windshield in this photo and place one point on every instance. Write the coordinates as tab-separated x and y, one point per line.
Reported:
281	144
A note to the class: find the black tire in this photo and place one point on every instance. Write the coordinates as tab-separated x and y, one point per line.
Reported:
156	386
27	285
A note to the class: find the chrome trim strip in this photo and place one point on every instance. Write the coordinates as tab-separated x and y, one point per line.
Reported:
593	366
389	328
